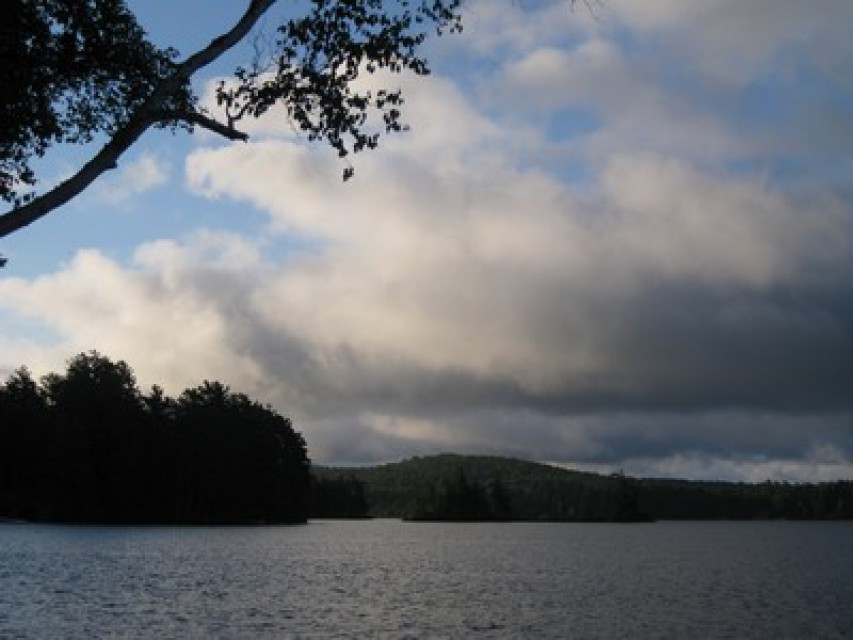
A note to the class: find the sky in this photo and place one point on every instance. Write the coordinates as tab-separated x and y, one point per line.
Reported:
610	240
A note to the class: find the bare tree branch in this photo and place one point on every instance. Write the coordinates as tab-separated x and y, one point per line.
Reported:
147	115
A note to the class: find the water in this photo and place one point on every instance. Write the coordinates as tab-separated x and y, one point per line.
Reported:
388	579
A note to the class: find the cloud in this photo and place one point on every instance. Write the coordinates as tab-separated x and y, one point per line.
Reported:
814	467
145	172
622	105
95	303
738	42
757	85
509	271
677	308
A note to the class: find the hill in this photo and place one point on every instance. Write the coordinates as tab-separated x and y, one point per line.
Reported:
461	487
457	487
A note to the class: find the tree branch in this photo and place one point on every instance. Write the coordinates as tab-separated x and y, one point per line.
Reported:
205	122
147	115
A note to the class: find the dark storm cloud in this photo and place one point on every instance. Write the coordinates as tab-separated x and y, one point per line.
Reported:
689	370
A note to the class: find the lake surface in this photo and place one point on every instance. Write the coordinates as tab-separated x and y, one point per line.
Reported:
389	579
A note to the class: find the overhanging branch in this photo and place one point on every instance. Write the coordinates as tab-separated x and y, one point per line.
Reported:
147	115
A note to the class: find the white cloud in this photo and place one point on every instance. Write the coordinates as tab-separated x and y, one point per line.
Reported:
509	29
206	248
681	222
173	332
144	173
737	42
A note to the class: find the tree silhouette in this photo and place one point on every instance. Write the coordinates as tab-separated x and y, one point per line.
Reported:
23	458
95	406
243	461
456	498
87	446
71	69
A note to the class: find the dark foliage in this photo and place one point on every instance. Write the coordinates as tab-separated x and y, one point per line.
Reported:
71	69
337	497
679	499
319	56
460	488
88	446
456	499
453	487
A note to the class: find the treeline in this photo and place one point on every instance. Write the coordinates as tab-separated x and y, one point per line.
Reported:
339	496
457	499
484	488
89	446
453	487
683	500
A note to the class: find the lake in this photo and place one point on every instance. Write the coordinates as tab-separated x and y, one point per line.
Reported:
389	579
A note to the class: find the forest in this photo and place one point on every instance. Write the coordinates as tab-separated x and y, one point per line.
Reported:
89	446
462	488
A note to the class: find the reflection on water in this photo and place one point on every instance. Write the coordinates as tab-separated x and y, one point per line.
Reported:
415	580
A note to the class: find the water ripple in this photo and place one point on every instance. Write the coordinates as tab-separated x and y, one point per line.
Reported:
387	579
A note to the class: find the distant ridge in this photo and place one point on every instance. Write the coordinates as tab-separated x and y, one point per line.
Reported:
464	487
